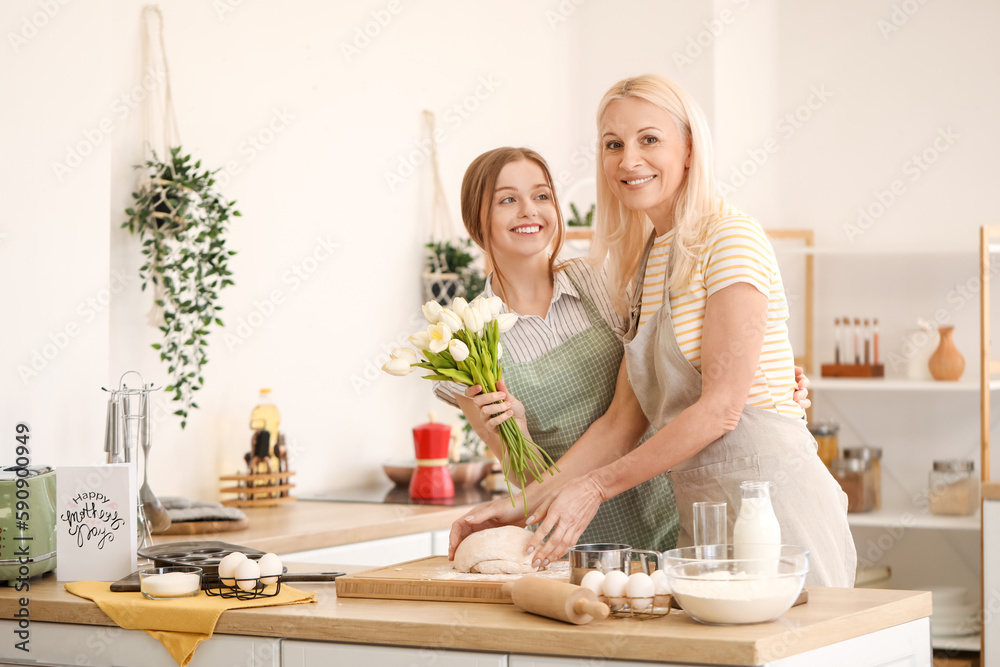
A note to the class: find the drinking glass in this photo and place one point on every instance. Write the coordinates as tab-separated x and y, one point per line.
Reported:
710	525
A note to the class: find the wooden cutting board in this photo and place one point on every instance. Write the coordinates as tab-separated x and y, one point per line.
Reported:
427	578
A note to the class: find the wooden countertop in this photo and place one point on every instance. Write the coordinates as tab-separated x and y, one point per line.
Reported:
991	491
830	616
303	525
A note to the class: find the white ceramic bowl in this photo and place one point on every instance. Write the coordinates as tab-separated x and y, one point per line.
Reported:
731	591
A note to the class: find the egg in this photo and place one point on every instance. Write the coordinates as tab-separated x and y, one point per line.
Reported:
614	586
247	575
594	580
661	590
639	590
661	586
270	568
227	567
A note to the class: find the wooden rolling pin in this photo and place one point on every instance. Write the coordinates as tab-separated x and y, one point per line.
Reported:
556	599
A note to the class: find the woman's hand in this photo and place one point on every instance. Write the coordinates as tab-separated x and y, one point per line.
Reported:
802	389
497	407
564	519
493	514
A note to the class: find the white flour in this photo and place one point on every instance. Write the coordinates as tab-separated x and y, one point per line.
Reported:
717	597
558	570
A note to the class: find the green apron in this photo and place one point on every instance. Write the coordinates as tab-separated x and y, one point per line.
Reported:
564	391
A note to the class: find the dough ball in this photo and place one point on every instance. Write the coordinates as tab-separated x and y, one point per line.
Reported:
495	551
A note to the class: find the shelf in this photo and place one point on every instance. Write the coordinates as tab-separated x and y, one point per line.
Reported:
787	247
895	384
970	643
913	519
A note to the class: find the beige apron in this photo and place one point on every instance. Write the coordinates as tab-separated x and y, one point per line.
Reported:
764	446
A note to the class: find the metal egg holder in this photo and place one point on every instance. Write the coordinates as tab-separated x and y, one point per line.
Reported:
237	592
627	611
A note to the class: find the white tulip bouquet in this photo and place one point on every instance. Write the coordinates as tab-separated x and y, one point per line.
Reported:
462	344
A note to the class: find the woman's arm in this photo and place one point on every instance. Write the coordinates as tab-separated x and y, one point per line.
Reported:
732	339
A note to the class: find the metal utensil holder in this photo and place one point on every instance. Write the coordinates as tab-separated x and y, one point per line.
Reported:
127	425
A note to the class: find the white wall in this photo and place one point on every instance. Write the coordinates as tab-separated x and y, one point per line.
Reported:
321	179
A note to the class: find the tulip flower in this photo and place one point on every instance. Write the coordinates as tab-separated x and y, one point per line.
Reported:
450	318
439	335
496	306
406	353
397	366
420	340
505	321
473	320
470	334
483	306
459	350
458	305
432	311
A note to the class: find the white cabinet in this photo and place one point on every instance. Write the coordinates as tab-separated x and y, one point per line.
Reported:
103	646
991	582
296	653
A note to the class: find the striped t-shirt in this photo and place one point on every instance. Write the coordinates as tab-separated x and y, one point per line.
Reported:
533	336
736	251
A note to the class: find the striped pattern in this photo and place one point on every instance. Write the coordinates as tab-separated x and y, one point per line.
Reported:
533	336
736	251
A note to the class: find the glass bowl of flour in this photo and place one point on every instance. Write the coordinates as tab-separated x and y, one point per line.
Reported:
736	591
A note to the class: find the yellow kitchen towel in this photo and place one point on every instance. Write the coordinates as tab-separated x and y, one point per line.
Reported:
180	625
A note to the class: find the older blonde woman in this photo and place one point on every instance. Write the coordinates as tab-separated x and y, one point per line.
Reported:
707	355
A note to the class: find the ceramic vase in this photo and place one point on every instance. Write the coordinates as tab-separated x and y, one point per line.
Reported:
947	363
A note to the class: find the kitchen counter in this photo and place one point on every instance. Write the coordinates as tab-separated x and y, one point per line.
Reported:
302	525
830	617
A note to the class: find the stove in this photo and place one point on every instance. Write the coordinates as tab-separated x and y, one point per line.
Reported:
400	495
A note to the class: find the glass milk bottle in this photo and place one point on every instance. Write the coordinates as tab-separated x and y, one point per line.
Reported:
757	534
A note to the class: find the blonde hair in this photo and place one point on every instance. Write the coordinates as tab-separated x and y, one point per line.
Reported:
621	233
478	186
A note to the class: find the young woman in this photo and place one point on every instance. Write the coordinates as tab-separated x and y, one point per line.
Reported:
708	361
563	357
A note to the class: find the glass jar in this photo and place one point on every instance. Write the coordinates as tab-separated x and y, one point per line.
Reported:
873	454
856	478
954	488
826	441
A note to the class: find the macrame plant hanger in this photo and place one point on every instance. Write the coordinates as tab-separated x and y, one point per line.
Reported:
439	284
159	123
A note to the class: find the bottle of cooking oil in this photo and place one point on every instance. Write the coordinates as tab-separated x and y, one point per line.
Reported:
264	422
265	417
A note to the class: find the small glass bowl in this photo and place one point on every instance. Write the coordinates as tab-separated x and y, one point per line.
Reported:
170	583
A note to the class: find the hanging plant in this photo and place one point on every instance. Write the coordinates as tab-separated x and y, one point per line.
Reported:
449	272
181	220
